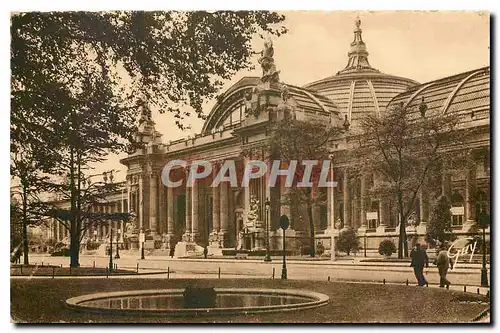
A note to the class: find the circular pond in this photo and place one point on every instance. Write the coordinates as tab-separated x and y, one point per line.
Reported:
171	302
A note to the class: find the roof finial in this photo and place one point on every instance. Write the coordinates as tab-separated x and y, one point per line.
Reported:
358	55
358	21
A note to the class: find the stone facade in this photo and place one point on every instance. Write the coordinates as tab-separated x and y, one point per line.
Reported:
218	217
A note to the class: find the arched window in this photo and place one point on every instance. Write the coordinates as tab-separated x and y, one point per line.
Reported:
234	115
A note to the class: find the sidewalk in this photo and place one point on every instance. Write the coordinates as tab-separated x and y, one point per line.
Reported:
340	261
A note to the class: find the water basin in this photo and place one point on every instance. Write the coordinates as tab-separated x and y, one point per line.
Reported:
170	302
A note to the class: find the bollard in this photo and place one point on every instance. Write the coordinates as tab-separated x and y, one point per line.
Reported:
53	271
273	272
21	270
465	289
137	267
42	263
478	291
407	281
107	275
168	272
448	286
219	272
94	264
427	284
328	278
383	281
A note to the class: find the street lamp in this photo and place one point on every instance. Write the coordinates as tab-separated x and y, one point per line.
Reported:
364	243
483	220
117	256
268	256
111	250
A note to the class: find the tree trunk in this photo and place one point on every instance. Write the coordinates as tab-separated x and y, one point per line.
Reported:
311	228
74	239
25	229
402	240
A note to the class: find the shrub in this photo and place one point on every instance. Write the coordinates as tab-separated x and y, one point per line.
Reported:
387	248
348	241
61	253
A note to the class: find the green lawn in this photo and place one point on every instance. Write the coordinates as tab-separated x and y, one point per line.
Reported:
42	301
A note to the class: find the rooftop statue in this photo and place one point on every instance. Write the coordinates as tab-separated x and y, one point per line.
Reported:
266	61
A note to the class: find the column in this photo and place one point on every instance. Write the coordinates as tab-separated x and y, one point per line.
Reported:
331	202
162	209
363	198
153	202
470	190
246	189
285	208
384	211
424	205
55	225
215	209
170	211
224	212
114	209
316	210
424	210
347	200
129	197
187	233
195	211
141	204
446	184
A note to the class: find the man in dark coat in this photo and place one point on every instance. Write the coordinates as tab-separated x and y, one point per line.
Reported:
418	260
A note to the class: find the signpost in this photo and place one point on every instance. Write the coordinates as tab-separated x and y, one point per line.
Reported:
284	223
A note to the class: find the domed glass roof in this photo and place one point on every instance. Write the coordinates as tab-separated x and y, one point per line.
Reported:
359	88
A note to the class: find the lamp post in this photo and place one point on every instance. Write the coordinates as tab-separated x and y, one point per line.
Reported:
111	250
117	256
364	247
268	255
483	220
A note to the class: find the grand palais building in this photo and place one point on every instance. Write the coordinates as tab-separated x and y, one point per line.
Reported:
217	217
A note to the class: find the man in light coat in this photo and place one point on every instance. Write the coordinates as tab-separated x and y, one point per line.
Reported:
444	263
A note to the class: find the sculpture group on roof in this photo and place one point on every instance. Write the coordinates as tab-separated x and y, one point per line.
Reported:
266	61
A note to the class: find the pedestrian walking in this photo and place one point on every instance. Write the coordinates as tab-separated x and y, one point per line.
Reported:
443	263
172	251
205	251
419	259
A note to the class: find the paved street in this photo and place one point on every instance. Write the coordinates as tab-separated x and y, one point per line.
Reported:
338	270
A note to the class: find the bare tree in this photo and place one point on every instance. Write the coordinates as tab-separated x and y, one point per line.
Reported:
404	148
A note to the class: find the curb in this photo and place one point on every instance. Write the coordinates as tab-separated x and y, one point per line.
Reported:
482	314
91	276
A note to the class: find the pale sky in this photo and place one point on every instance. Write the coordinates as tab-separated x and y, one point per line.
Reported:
422	46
